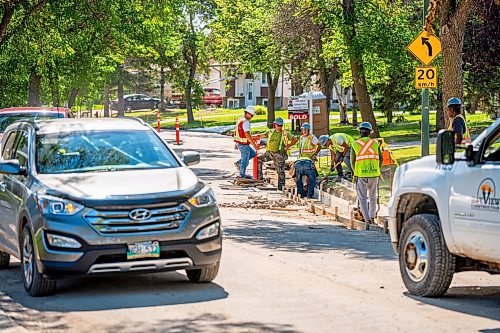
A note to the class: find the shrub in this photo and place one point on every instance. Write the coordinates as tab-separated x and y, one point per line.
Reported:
260	110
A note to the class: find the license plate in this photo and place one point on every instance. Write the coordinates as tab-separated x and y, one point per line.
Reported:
143	250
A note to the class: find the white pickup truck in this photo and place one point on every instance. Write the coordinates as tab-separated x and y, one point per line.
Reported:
445	213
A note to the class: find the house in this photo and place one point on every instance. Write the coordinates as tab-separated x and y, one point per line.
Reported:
241	90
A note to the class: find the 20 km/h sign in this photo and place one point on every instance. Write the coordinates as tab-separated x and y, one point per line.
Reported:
426	47
426	77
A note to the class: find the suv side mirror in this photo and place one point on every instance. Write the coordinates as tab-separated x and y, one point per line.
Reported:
445	147
191	157
11	167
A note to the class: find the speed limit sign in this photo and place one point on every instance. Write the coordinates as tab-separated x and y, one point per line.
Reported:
426	77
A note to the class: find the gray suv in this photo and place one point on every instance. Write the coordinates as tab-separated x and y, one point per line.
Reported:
85	197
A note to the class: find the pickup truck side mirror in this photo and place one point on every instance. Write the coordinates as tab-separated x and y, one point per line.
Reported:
445	147
191	157
11	167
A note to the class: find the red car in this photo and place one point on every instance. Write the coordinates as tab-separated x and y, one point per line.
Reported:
11	115
212	97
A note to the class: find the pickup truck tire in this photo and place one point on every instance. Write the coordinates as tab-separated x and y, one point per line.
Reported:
35	283
4	260
426	265
203	275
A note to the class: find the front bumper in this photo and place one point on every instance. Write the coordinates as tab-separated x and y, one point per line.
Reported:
94	259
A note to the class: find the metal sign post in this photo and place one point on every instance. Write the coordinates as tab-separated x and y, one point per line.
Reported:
311	120
425	102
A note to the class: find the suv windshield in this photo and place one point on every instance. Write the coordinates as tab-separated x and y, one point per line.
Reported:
77	152
8	118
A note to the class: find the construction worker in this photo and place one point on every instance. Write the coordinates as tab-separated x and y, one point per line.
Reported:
304	166
243	140
457	122
340	151
366	160
279	142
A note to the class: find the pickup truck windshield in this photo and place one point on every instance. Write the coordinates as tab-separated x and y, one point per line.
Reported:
101	151
8	118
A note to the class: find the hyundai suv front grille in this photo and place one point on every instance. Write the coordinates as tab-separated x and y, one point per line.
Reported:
120	221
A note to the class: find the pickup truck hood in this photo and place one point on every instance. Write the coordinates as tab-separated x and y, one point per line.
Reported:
121	184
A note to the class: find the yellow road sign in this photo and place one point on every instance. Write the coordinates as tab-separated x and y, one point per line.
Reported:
426	47
426	77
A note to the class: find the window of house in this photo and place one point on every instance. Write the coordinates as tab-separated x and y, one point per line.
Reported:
263	78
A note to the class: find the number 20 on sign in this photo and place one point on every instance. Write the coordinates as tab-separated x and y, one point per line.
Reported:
426	77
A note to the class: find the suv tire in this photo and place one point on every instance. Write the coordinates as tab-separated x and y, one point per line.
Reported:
203	275
4	260
34	282
426	265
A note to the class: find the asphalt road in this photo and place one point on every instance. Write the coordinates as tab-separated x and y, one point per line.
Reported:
280	272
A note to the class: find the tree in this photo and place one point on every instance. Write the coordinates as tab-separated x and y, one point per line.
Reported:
453	15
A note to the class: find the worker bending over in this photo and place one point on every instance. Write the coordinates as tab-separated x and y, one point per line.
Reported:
340	145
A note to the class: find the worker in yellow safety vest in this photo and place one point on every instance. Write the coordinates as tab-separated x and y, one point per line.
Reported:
304	166
366	160
457	122
279	142
340	150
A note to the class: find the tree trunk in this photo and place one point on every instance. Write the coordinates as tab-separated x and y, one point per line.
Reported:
54	90
72	97
106	100
440	113
121	109
354	107
455	18
271	97
35	89
162	89
342	105
357	69
189	104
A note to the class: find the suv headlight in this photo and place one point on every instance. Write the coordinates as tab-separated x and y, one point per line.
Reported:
203	198
57	206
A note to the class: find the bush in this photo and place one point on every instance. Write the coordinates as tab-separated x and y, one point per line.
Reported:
260	110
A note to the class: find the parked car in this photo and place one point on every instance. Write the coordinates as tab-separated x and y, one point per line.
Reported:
177	101
98	196
11	115
212	97
137	102
445	213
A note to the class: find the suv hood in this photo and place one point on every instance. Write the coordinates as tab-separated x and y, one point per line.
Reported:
136	185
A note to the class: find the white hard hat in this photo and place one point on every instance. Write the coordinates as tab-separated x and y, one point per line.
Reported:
340	140
250	109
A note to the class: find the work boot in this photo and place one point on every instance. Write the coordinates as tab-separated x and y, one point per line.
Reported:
372	220
338	179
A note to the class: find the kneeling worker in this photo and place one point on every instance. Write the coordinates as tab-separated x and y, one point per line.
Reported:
279	141
366	160
304	166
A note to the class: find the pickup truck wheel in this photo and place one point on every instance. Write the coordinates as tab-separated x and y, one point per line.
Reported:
34	282
203	275
426	265
4	260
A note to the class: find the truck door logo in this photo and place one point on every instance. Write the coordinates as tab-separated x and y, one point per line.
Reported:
485	198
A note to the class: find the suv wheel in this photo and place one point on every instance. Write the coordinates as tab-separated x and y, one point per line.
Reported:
426	265
203	275
128	108
34	282
4	260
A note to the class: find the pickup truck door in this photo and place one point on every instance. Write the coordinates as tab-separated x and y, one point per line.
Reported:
475	205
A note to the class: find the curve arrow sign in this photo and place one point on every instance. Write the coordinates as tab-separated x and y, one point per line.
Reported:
425	41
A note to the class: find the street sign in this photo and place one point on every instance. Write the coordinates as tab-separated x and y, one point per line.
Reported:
426	47
426	77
